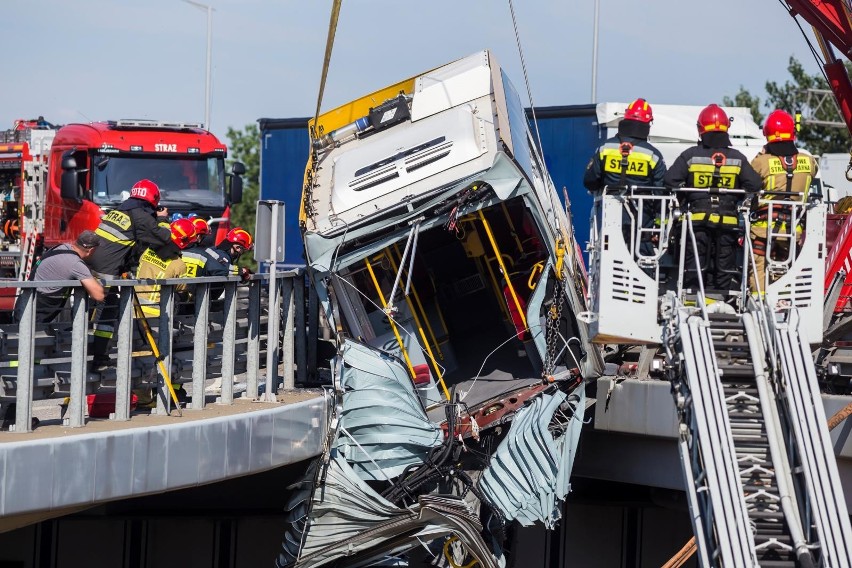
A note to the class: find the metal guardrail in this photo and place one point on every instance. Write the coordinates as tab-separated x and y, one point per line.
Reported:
225	341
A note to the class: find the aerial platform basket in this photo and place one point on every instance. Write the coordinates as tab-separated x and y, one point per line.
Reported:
624	297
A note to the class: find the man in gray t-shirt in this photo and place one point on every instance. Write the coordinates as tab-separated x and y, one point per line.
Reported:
64	262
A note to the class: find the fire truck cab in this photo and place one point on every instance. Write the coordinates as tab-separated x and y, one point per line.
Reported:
56	182
100	161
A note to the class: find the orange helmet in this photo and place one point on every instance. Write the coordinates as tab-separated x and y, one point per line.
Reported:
713	119
146	190
183	233
639	110
779	127
241	237
201	227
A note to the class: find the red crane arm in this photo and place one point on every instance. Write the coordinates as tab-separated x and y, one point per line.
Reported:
832	23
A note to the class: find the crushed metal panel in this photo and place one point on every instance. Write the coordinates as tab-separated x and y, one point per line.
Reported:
528	475
383	424
348	519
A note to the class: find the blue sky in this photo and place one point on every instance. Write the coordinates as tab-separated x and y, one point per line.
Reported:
108	59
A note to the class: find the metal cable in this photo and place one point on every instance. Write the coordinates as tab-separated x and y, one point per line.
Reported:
807	39
529	95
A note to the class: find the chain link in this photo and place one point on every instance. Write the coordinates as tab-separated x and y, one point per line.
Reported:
554	316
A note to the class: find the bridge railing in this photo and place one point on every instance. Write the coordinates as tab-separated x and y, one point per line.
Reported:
208	338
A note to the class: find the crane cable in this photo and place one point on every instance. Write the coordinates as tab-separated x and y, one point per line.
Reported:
559	229
329	45
524	69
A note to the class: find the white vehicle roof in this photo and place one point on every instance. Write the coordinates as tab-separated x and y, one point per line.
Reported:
832	171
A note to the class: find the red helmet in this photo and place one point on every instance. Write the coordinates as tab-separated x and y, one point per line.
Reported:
202	229
639	110
241	237
713	119
183	233
146	190
779	127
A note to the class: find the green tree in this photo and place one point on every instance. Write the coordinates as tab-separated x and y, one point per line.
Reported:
744	99
792	96
244	146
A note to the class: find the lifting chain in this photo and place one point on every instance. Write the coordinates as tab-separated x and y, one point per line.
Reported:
552	331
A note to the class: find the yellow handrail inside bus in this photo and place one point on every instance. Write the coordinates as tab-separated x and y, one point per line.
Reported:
422	334
390	319
420	307
503	268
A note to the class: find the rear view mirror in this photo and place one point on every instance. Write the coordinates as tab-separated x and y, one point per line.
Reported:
238	168
68	185
68	161
69	182
235	195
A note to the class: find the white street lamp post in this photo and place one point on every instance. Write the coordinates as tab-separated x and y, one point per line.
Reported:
209	10
595	52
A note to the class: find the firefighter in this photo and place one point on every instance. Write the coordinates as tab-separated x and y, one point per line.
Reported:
205	235
712	165
629	159
165	262
124	233
220	260
783	167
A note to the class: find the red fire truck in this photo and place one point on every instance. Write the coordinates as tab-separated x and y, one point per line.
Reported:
56	182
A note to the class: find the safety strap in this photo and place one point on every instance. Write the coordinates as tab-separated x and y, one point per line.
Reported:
47	254
789	164
626	148
718	161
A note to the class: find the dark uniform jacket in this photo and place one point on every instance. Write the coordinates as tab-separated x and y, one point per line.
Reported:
624	160
707	167
130	226
208	261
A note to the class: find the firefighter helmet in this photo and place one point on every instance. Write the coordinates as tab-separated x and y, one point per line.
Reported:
713	119
183	233
779	127
201	227
639	110
146	190
239	236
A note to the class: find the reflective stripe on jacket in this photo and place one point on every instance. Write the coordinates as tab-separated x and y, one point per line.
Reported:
152	266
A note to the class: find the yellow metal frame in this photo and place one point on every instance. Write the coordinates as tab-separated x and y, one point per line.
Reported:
391	320
420	329
497	254
414	293
495	284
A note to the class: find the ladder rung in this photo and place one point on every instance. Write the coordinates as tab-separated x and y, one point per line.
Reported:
766	515
737	390
738	371
719	317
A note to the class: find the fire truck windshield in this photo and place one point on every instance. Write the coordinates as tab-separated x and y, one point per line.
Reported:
188	180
